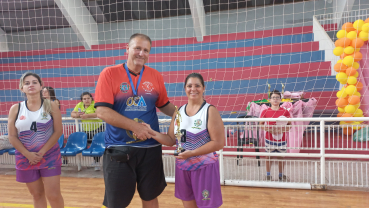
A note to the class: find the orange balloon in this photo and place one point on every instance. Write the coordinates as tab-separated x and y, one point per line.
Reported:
354	99
367	20
348	131
340	67
357	56
340	114
343	55
346	42
357	43
348	26
341	102
347	115
339	42
359	86
351	71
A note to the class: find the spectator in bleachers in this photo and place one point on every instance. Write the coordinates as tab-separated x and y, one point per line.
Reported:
275	136
34	127
49	93
86	110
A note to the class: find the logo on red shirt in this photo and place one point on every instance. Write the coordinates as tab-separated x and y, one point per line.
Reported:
124	87
148	86
22	117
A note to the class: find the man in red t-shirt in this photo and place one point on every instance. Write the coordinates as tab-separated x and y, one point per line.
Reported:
275	136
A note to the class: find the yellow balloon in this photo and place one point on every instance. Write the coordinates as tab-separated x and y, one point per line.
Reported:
356	125
356	75
350	109
364	28
357	94
339	61
343	123
363	35
356	65
349	50
338	51
358	113
350	90
348	60
341	34
358	24
341	110
341	94
357	106
351	35
351	80
341	77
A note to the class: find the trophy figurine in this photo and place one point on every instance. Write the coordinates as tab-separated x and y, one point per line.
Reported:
178	134
268	90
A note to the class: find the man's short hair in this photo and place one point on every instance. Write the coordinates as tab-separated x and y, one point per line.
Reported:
139	35
275	92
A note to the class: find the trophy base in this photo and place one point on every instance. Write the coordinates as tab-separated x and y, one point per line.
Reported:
176	152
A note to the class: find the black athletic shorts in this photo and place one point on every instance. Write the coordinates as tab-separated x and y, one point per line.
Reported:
144	167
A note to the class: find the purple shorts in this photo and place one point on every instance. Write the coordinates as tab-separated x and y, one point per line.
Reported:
201	185
29	176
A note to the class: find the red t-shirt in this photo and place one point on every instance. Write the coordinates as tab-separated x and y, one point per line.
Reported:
269	113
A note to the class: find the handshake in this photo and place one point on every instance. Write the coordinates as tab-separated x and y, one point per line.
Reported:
143	131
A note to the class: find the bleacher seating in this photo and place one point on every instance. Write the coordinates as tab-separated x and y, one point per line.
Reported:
236	68
76	143
61	141
11	151
97	147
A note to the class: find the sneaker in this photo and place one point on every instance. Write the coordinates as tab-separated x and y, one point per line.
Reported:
284	178
97	168
268	178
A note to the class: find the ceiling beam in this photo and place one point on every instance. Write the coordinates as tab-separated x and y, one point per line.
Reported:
3	41
81	21
198	18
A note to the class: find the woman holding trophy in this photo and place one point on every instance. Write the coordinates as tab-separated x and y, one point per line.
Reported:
198	130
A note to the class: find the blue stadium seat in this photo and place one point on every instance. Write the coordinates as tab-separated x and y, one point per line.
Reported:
3	151
61	141
11	151
75	144
97	147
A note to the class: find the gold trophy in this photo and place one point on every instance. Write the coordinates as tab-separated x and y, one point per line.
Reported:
283	86
178	133
268	90
133	135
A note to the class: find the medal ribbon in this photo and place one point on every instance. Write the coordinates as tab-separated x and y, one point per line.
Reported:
134	91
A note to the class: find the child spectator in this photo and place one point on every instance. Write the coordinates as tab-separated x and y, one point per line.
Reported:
275	136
